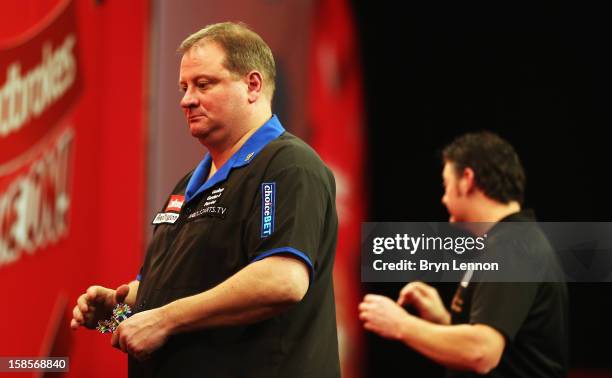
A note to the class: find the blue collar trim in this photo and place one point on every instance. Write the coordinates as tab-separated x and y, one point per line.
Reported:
269	131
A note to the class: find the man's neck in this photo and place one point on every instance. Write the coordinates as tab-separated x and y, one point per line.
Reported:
492	211
487	212
222	153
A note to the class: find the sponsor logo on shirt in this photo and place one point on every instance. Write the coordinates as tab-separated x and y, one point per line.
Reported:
212	211
214	196
175	203
165	218
268	201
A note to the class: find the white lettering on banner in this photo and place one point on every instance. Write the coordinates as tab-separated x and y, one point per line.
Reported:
34	208
27	96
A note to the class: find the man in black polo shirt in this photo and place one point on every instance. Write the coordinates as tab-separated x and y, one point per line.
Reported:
237	281
496	329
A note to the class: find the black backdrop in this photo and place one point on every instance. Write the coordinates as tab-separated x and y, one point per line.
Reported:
540	76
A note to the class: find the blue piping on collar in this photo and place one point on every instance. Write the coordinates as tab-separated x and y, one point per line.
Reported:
269	131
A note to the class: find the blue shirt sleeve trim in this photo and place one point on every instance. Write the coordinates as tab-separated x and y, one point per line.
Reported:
138	277
289	250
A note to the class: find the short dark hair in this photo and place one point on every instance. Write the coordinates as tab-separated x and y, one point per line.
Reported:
497	168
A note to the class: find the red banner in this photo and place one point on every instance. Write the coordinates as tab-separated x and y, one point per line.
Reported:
40	82
64	131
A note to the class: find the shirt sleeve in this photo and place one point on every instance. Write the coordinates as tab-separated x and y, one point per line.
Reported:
293	209
503	305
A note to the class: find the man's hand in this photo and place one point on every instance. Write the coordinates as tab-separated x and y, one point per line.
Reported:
383	316
142	334
96	304
426	300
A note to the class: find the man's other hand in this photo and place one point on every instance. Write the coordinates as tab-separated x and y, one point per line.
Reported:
381	315
426	300
96	304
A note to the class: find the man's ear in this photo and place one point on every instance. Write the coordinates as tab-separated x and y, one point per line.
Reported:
254	81
467	182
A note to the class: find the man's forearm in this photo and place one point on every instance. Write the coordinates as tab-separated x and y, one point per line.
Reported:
259	291
463	347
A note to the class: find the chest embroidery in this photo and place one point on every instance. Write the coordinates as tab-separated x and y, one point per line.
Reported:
213	211
210	207
214	197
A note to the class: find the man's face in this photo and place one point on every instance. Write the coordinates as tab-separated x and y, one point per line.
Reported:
454	197
213	97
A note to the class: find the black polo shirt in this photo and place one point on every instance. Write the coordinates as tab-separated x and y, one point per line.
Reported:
532	316
274	196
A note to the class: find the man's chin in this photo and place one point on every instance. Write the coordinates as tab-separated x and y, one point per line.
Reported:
198	129
207	137
199	133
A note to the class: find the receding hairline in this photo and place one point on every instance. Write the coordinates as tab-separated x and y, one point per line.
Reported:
199	44
212	31
202	43
244	50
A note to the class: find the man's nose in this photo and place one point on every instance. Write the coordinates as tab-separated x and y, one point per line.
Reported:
188	100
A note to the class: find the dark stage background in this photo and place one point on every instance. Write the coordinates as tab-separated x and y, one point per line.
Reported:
538	76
